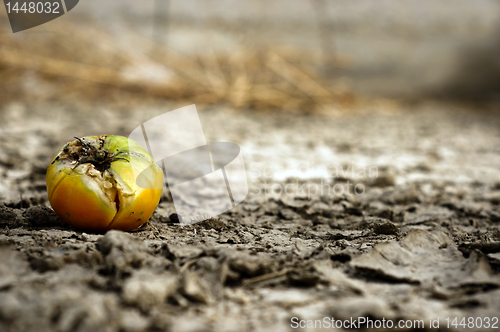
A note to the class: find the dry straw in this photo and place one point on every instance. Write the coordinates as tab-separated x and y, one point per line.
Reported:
264	78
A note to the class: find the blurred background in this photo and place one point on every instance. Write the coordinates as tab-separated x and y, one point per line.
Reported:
298	55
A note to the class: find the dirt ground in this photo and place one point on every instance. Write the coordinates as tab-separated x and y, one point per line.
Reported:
418	240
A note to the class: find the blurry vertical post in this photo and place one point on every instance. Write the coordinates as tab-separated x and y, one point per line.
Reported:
204	179
160	21
28	14
326	32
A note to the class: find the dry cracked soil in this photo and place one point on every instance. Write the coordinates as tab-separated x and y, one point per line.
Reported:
418	240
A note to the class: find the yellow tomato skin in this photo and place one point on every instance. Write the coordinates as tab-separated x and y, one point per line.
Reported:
90	198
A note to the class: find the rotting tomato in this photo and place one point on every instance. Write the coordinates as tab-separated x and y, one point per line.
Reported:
91	183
